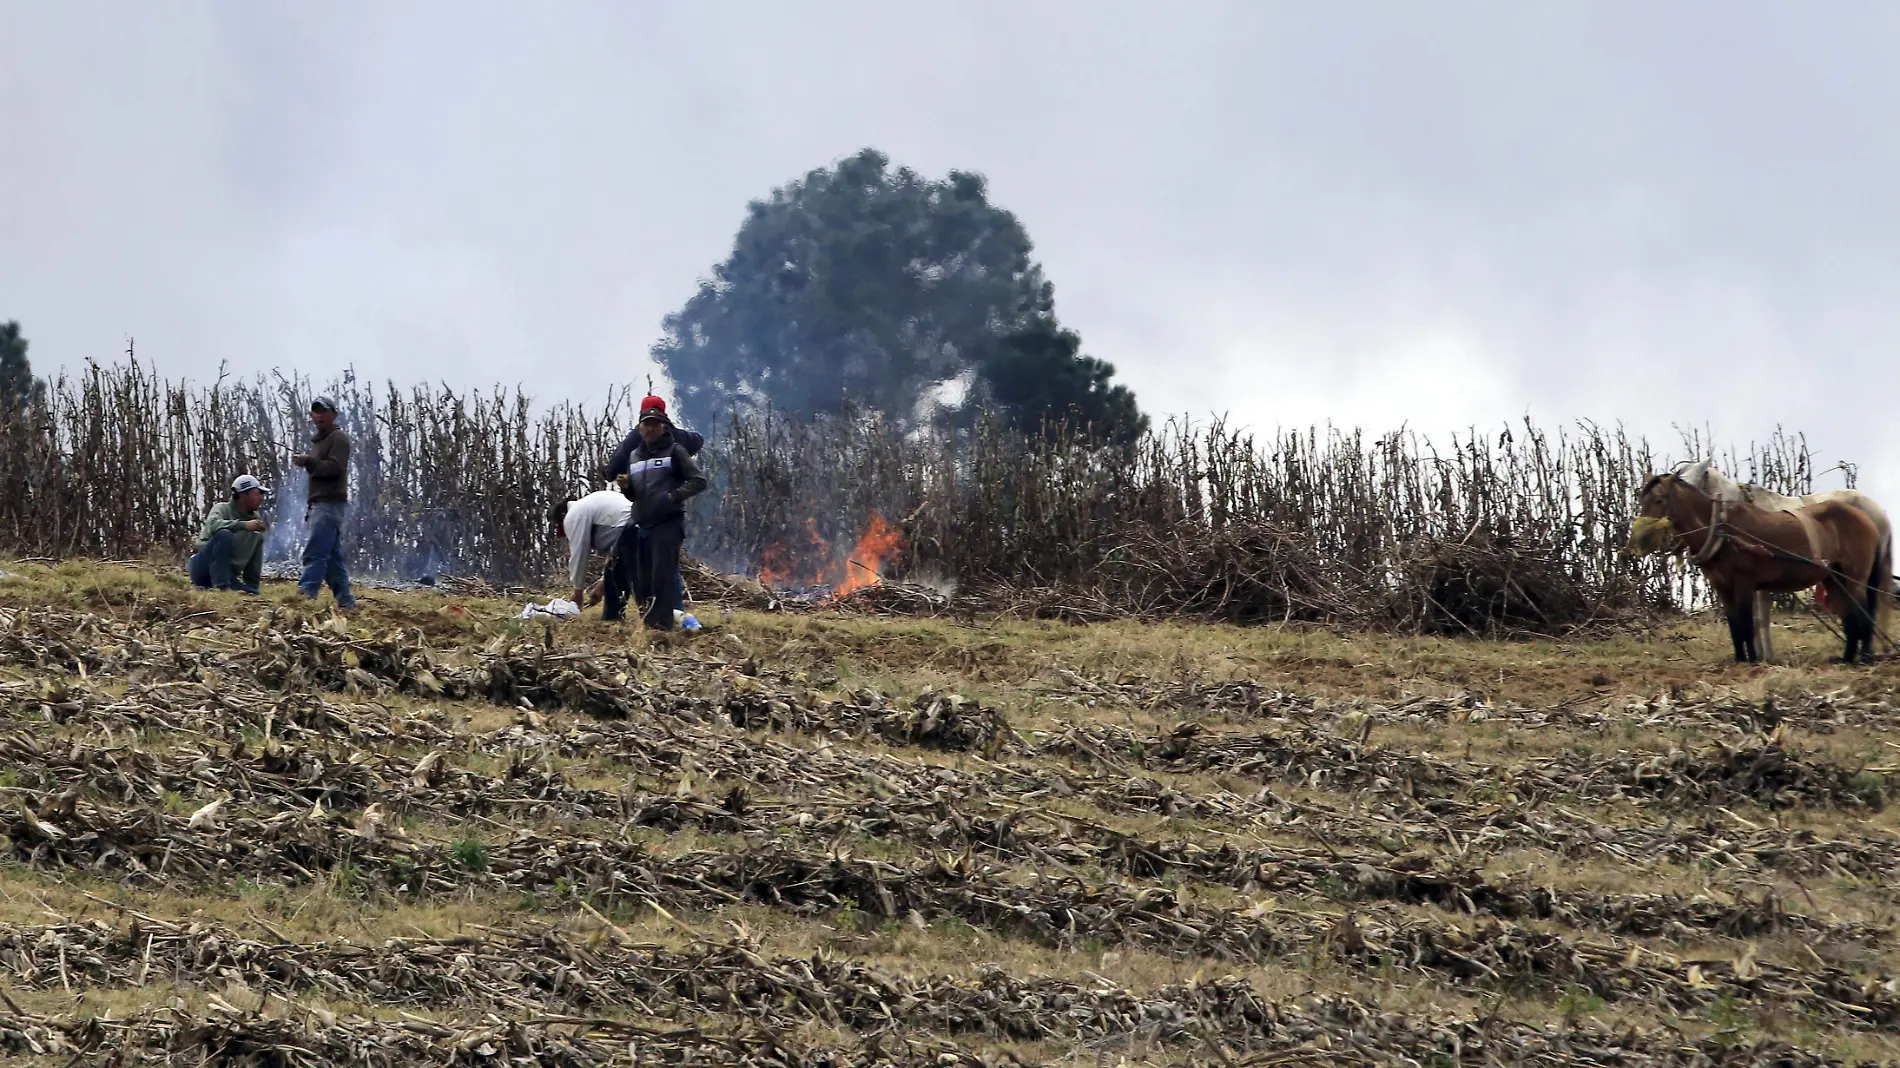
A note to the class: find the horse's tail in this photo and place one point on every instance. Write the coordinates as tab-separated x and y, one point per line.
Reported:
1880	595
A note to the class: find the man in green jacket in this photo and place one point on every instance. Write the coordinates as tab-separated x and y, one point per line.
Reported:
230	550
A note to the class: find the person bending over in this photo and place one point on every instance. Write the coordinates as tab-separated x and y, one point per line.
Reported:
590	525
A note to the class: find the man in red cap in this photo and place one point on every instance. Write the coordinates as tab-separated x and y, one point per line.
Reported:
617	463
661	477
622	455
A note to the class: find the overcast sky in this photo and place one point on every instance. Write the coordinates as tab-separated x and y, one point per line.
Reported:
1434	213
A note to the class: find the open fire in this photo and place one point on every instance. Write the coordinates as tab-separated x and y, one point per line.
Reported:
808	562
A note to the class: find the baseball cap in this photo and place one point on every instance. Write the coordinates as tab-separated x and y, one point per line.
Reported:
246	483
325	403
652	408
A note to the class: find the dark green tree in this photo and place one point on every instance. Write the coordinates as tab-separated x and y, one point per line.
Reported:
18	388
859	284
1038	376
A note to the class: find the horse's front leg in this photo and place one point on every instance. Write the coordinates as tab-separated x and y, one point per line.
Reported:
1742	598
1856	625
1732	612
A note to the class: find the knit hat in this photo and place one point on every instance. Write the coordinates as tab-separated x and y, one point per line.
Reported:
652	408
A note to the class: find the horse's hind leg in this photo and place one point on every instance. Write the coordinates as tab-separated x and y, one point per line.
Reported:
1856	625
1855	628
1863	610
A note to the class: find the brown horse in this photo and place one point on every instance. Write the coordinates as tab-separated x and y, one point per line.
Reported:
1743	550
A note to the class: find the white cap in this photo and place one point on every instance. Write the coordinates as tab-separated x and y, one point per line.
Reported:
246	482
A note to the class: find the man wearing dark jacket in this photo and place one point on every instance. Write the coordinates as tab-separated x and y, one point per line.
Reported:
328	462
661	477
623	455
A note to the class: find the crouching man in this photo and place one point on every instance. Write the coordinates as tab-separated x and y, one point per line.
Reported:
661	478
590	525
229	554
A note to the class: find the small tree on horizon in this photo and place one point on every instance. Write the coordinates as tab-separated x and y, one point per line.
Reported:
1038	376
18	387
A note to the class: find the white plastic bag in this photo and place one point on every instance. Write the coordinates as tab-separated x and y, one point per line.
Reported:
559	608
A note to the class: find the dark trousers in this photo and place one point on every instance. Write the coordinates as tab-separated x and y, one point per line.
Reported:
646	567
210	567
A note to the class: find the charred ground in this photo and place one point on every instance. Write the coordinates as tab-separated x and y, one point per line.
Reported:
444	835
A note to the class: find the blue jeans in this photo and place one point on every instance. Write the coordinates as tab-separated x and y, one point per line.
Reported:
210	567
323	553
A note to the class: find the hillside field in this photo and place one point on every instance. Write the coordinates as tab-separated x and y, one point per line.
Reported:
252	831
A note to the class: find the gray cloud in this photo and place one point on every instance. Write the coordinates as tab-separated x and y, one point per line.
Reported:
1369	213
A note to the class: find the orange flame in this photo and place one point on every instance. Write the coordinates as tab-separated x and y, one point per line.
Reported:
879	540
780	563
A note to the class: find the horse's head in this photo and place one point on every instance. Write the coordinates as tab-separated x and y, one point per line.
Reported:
1663	498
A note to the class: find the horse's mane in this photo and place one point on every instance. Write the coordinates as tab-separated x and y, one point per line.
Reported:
1712	482
1662	476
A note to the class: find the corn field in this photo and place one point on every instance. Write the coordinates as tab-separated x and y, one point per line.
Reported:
122	463
1512	532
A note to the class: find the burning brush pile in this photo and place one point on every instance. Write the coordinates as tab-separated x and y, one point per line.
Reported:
807	570
1506	536
1244	573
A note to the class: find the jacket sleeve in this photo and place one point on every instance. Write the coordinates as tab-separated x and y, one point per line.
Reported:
579	544
215	520
692	440
335	461
621	459
692	482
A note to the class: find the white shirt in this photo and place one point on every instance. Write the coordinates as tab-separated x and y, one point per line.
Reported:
593	522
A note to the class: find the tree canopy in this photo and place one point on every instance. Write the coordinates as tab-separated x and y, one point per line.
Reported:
865	285
18	387
1039	374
